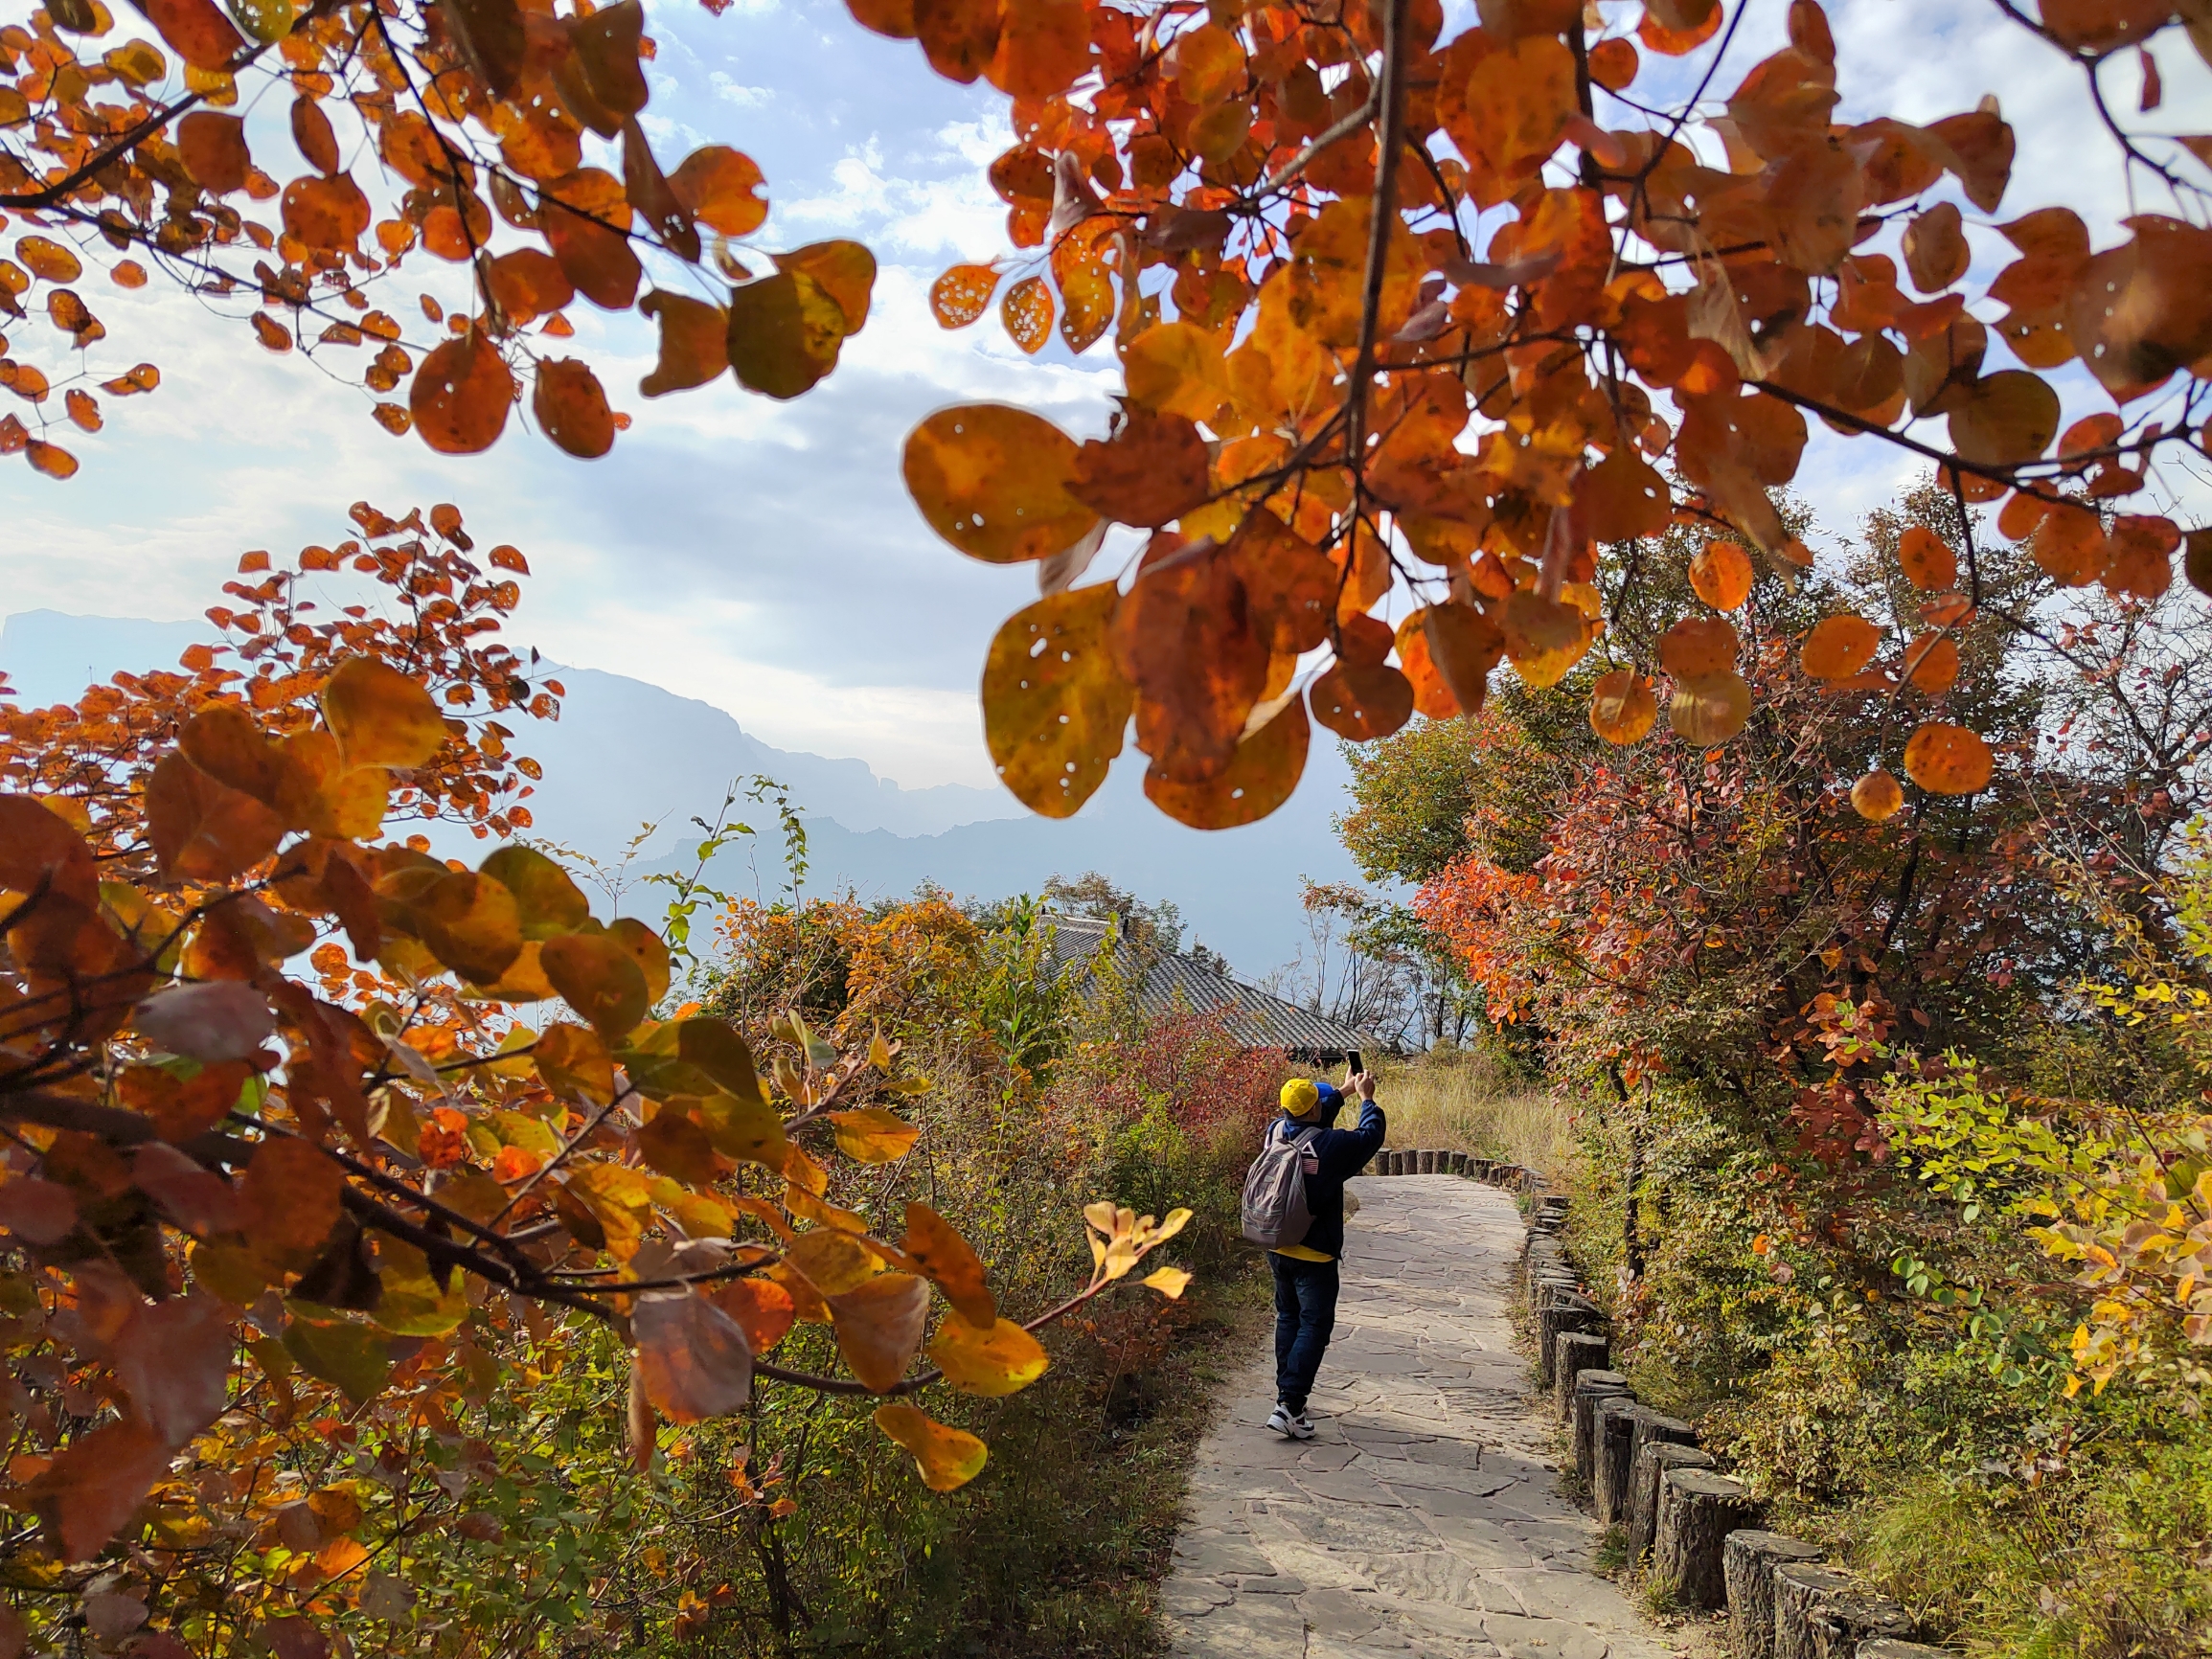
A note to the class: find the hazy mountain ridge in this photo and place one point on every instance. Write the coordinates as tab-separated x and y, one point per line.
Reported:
624	753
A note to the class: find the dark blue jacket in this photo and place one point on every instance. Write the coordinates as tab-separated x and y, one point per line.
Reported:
1344	1153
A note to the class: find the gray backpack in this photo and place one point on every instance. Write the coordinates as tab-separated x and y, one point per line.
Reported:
1275	1211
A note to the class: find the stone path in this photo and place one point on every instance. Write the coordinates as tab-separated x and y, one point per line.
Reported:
1423	1517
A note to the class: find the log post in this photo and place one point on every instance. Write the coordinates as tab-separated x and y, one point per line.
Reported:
1653	1460
1397	1162
1593	1391
1566	1311
1459	1163
1821	1614
1748	1561
1428	1162
1573	1353
1698	1510
1611	1444
1483	1167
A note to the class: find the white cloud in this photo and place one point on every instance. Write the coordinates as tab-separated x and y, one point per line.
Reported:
730	91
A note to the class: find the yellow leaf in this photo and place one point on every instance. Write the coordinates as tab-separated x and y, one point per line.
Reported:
947	1458
380	716
833	1263
998	1360
1169	1281
871	1135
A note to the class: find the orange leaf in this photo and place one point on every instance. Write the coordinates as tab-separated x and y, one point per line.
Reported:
1676	28
97	1484
1721	575
692	1357
722	189
1026	311
202	829
1927	563
1622	707
693	342
764	1310
1696	646
290	1197
327	213
880	1326
1043	46
461	394
871	1135
1876	797
1153	470
1055	702
1188	645
212	149
784	333
1258	778
937	1248
962	294
196	30
1931	664
1838	647
1946	759
993	480
958	37
570	404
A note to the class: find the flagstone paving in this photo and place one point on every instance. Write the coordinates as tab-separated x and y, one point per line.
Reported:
1424	1519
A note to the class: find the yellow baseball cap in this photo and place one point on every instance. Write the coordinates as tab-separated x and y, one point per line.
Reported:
1300	1097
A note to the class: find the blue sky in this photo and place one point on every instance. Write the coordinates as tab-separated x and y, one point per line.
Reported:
764	558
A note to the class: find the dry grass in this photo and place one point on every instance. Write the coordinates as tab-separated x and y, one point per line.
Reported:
1465	1102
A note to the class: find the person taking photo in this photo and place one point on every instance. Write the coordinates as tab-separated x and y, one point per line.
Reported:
1306	1267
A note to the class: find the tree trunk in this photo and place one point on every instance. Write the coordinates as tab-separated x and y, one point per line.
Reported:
1748	1561
1593	1389
1698	1510
1653	1459
1632	1239
1611	1444
1821	1614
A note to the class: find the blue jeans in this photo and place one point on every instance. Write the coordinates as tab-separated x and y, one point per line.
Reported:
1304	1314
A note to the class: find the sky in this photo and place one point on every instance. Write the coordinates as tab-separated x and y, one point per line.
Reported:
763	556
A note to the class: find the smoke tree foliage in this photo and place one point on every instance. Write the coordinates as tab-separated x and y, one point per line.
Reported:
1395	312
304	1125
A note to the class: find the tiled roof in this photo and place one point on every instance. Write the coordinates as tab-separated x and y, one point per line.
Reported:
1173	982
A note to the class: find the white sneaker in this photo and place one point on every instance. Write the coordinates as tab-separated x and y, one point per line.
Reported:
1297	1426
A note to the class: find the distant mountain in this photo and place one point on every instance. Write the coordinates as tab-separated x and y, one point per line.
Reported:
624	753
1237	890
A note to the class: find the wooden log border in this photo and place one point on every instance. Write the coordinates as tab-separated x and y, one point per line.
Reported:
1646	1475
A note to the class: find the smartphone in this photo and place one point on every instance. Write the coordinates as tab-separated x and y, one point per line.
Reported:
1353	1067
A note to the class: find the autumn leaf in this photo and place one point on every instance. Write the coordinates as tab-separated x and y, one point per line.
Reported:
1055	701
946	1458
1947	759
934	1245
871	1135
995	481
998	1360
879	1324
380	716
694	1358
